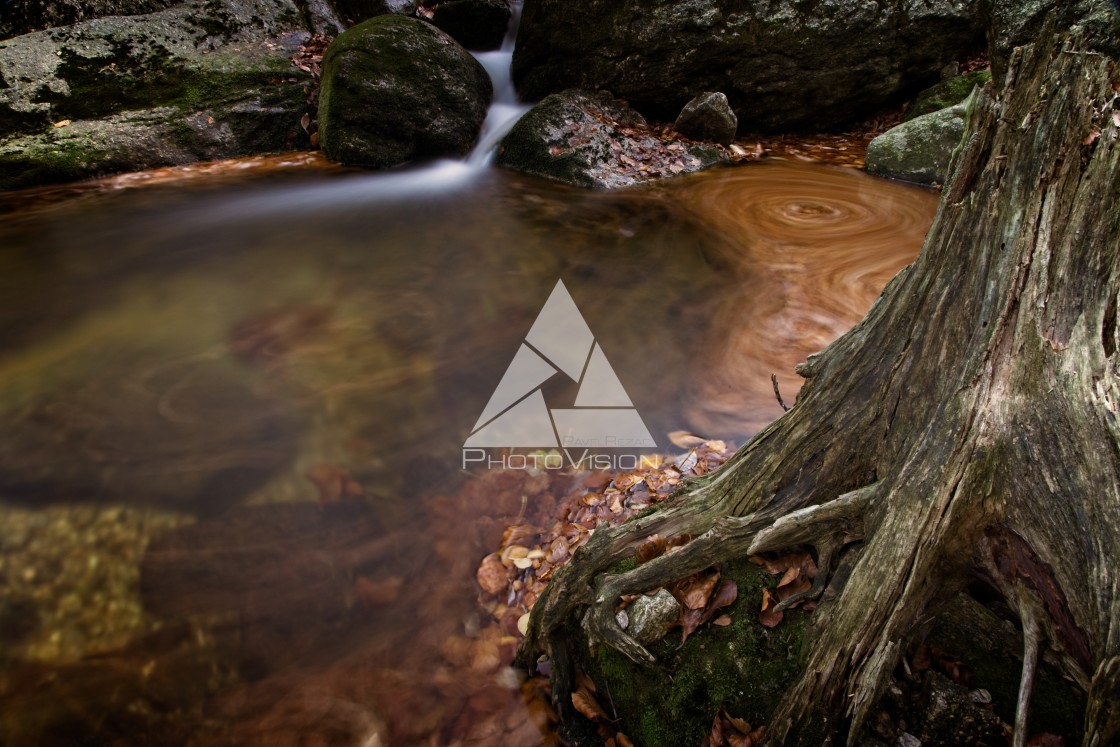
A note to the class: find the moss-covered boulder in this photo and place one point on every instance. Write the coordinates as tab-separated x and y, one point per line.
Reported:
948	92
396	89
592	140
476	24
205	79
784	64
919	150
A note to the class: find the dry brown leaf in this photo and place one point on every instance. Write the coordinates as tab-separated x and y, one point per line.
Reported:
653	547
693	592
587	706
722	621
492	575
798	585
768	617
623	740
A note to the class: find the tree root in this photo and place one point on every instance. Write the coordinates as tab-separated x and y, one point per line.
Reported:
586	583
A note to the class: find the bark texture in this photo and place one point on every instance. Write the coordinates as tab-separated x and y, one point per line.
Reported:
966	429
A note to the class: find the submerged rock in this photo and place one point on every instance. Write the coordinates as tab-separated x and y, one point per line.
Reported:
396	89
476	24
708	117
919	150
199	80
783	65
591	140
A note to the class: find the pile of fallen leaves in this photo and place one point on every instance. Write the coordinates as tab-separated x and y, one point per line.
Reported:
309	58
512	578
533	548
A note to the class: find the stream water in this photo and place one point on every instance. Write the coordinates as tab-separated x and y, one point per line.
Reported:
232	503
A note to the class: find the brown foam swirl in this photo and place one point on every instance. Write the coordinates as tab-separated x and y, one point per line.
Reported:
812	247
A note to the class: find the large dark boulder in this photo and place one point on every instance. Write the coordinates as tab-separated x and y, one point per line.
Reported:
476	24
591	140
396	89
784	64
202	80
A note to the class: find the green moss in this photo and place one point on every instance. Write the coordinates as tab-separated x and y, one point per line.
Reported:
949	92
395	89
743	668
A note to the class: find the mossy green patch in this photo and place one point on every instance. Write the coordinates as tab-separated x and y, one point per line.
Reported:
742	668
948	92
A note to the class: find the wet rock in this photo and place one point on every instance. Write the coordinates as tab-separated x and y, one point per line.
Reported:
264	121
476	24
25	16
708	117
649	618
919	150
145	77
948	716
396	89
783	65
592	140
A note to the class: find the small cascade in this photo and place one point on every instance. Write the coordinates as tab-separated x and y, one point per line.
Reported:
505	109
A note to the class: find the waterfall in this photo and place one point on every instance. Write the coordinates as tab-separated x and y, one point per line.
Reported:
504	109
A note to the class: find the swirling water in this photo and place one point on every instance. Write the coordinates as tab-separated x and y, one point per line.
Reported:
218	358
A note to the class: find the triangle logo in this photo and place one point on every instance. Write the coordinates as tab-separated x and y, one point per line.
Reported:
516	416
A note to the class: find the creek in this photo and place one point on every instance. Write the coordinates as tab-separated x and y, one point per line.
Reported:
233	508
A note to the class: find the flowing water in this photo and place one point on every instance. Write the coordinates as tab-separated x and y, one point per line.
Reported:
268	384
233	509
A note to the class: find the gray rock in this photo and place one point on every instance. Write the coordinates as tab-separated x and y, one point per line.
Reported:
649	618
592	140
226	61
919	150
263	121
784	64
396	89
24	16
476	24
708	117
